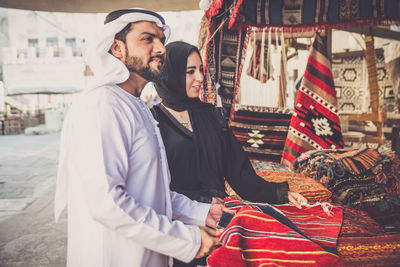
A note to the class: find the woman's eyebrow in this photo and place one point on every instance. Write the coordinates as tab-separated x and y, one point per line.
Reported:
190	67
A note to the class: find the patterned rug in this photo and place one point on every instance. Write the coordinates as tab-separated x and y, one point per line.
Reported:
299	183
315	122
351	84
358	223
224	53
362	179
279	235
300	15
261	131
382	250
264	165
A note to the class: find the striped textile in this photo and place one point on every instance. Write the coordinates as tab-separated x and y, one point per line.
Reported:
357	161
278	235
300	15
261	132
315	122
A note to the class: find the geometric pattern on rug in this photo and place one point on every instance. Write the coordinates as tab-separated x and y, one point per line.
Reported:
261	131
315	122
230	50
349	76
351	84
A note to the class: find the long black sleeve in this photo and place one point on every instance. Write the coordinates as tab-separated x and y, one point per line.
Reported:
243	179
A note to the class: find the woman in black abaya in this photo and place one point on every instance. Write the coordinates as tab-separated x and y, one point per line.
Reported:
201	150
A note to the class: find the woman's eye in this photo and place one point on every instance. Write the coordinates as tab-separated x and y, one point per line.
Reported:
190	72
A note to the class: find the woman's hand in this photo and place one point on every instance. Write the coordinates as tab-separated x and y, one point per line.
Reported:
217	200
215	213
296	199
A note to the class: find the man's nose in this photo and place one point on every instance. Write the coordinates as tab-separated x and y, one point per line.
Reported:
159	47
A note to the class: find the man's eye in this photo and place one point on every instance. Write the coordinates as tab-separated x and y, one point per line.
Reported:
149	38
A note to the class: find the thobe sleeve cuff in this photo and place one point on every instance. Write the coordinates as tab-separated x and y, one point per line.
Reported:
194	248
204	208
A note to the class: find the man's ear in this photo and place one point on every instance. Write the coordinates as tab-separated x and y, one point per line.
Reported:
117	49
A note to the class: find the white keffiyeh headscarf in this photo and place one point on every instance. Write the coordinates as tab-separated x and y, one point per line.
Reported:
107	68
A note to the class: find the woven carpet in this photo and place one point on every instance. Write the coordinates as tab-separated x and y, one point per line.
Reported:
382	250
261	131
224	53
279	235
315	122
312	190
358	223
263	165
302	15
363	179
351	84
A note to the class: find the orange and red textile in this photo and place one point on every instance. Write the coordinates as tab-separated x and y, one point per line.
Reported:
315	122
278	235
381	250
312	190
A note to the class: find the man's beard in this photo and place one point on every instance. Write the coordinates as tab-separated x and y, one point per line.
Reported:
135	64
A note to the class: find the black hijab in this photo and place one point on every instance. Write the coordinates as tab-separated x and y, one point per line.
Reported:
172	85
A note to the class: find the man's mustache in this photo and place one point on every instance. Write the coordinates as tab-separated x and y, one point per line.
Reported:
157	56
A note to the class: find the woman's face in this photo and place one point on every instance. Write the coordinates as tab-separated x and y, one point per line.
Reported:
194	75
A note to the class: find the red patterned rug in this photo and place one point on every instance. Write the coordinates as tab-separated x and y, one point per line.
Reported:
315	122
278	235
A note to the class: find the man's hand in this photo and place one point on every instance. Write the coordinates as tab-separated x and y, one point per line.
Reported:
215	212
296	199
209	241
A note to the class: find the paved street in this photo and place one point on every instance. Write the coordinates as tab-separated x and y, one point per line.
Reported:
28	234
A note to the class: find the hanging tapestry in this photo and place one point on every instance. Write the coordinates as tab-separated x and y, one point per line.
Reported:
358	178
210	69
351	84
261	131
303	15
231	49
315	122
262	234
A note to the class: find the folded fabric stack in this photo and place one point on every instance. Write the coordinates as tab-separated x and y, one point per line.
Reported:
363	179
278	235
312	190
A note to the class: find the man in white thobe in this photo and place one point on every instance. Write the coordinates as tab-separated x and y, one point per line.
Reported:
113	172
